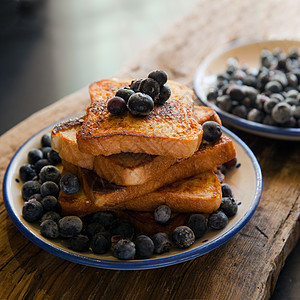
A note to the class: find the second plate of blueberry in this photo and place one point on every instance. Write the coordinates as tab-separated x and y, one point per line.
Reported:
254	86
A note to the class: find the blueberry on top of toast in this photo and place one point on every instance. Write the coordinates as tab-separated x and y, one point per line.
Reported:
141	95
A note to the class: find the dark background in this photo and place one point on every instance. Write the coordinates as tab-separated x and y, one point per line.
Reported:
49	49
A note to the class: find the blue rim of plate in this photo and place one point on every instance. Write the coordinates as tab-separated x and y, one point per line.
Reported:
243	124
136	264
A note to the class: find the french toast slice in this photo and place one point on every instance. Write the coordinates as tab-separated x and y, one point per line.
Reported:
124	168
201	193
105	195
169	130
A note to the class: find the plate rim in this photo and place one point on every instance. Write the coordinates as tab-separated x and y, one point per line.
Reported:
243	124
135	264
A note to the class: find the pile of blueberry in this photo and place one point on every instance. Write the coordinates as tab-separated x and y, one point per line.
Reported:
268	95
102	231
141	95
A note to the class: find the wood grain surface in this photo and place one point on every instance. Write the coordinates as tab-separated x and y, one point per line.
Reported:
248	265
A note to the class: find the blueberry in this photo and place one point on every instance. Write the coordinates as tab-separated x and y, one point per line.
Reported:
32	210
211	131
37	197
222	169
150	87
183	237
277	96
255	115
226	190
49	229
294	52
250	80
121	227
292	94
217	220
224	102
228	206
135	85
250	92
50	203
45	151
160	76
260	101
165	94
296	112
93	228
269	104
49	188
239	75
100	244
262	79
124	249
140	104
70	226
162	243
80	243
53	157
29	188
51	215
268	120
34	155
292	101
273	87
236	92
290	123
266	61
281	58
292	79
27	172
50	173
69	183
40	164
223	76
281	112
103	217
162	214
46	140
230	164
212	94
232	61
124	93
116	105
198	223
240	111
144	246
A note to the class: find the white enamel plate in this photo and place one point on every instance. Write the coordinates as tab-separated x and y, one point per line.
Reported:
245	180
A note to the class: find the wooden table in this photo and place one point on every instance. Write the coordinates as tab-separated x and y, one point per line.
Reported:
248	265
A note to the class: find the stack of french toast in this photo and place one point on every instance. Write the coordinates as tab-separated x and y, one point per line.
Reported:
129	164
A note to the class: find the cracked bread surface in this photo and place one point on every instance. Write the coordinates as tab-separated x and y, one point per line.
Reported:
169	130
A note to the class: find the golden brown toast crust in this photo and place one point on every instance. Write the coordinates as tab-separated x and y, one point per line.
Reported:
200	193
105	195
169	130
123	168
205	113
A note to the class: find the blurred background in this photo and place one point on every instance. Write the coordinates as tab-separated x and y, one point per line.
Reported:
49	49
